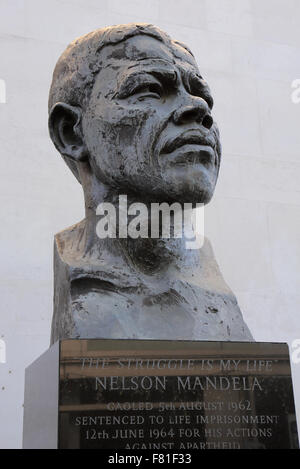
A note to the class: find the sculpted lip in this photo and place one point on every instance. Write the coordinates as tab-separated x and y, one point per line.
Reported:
188	138
196	148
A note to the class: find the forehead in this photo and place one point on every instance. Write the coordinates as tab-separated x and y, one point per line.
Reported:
144	50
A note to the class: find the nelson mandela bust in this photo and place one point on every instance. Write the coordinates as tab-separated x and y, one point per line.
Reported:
131	115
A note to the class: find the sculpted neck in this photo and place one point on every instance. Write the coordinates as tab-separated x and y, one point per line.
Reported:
163	240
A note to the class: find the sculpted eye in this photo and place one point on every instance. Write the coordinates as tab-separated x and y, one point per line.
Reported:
204	94
140	87
152	90
197	86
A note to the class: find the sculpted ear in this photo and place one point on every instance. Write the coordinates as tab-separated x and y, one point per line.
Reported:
65	131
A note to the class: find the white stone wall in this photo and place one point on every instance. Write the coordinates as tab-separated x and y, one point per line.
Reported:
249	51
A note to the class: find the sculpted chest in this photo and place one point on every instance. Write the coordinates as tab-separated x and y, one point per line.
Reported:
110	301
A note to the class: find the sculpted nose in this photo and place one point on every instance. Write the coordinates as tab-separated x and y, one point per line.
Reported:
198	112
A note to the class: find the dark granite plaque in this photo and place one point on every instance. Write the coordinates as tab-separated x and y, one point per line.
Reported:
166	395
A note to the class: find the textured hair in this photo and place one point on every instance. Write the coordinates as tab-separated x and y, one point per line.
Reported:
76	69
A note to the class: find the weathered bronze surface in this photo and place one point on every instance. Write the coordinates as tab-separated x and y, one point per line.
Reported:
131	114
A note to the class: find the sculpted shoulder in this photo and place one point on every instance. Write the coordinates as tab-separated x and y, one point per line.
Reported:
72	252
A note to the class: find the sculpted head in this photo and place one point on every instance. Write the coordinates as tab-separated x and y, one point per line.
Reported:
131	103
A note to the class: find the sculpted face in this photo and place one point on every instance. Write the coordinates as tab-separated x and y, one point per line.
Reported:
148	125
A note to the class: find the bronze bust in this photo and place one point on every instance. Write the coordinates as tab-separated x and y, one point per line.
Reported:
130	114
